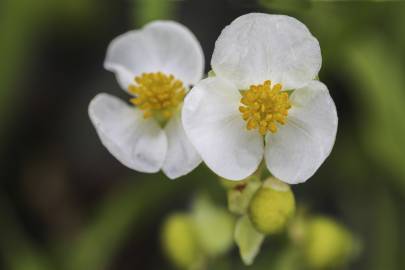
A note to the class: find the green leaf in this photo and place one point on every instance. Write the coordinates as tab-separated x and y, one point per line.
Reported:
124	212
19	251
378	72
290	5
248	240
149	10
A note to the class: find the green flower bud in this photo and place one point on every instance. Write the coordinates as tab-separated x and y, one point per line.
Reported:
179	241
214	226
272	206
328	244
239	196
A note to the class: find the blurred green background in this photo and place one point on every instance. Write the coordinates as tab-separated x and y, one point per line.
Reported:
66	203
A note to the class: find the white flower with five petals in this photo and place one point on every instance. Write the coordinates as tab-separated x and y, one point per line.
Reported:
155	65
264	101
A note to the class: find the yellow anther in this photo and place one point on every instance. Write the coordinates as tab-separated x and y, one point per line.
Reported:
262	106
157	94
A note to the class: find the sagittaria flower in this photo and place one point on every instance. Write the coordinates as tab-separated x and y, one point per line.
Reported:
156	65
264	101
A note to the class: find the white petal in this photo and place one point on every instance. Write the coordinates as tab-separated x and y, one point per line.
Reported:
138	143
214	125
181	156
258	47
164	46
297	150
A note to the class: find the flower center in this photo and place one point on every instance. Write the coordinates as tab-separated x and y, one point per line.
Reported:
157	94
263	106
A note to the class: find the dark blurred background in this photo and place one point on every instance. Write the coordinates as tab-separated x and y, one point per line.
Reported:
66	203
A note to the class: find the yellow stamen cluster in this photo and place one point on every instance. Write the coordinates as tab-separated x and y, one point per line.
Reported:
157	94
263	106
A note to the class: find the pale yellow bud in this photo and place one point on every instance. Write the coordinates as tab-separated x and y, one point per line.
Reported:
272	206
328	244
179	241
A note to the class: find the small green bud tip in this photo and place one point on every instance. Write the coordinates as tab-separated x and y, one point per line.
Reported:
232	184
328	244
272	206
179	241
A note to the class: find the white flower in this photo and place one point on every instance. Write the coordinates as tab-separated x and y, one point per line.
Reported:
156	65
244	113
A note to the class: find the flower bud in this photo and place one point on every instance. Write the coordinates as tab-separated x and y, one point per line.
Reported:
214	226
328	244
239	195
179	241
272	206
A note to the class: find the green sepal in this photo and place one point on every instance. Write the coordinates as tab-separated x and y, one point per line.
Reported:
211	73
248	239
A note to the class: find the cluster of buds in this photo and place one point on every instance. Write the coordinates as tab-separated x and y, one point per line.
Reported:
263	208
256	209
267	208
192	238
